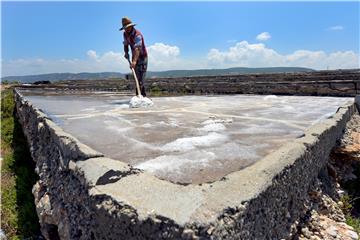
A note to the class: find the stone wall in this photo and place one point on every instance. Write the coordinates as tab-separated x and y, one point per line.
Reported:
83	195
318	83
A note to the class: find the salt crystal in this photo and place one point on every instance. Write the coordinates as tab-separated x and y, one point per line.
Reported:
140	101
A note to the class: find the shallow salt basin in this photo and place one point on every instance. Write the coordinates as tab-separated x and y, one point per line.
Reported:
189	139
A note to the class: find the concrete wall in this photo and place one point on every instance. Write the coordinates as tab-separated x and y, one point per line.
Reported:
83	195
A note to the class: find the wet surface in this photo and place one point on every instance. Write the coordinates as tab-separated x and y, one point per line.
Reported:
190	139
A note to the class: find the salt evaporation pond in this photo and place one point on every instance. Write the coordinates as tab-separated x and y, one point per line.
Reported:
188	139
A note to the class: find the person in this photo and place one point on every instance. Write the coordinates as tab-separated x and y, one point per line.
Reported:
139	61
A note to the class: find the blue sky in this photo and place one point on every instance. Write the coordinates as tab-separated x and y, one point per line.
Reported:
42	37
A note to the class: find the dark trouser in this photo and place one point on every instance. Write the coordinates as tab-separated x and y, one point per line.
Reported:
140	70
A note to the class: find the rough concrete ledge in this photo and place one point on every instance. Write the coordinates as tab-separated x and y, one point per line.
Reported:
83	195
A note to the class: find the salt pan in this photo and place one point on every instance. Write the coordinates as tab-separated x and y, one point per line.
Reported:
177	163
189	143
215	127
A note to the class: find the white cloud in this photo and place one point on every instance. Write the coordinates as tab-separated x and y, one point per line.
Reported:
109	61
336	28
244	54
263	36
163	57
258	55
92	54
168	57
163	50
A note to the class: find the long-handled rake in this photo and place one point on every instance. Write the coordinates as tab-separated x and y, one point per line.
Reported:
139	100
136	80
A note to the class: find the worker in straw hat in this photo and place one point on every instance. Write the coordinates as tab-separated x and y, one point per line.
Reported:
134	39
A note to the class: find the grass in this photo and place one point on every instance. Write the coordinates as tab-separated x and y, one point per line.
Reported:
348	209
18	215
354	222
351	202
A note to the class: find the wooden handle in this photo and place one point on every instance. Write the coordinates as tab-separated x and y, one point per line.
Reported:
136	80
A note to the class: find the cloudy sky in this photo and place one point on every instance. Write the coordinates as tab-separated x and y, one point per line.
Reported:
47	37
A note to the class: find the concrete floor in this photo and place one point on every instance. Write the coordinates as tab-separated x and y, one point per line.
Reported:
190	139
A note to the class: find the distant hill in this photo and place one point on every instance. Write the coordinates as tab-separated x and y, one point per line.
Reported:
172	73
63	76
227	71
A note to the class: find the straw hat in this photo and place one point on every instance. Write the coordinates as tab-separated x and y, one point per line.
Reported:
126	22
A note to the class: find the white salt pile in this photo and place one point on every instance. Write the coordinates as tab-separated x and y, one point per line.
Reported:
140	101
270	97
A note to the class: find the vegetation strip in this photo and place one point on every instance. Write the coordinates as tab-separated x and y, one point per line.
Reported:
18	215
